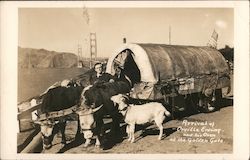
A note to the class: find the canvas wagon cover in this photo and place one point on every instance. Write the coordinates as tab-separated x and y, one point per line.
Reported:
159	63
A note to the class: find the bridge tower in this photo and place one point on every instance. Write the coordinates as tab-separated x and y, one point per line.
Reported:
79	56
93	49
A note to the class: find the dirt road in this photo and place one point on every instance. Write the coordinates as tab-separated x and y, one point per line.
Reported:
198	133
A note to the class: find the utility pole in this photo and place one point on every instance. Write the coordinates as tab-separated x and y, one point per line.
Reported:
124	40
93	48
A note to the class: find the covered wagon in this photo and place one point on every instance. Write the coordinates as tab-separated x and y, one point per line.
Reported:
174	73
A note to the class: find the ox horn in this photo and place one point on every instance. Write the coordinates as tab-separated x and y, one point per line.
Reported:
97	108
38	116
37	122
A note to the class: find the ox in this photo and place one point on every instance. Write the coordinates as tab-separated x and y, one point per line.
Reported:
96	103
56	99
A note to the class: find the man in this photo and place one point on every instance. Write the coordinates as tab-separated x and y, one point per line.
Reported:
121	76
99	76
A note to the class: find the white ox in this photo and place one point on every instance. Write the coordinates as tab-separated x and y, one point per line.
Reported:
140	114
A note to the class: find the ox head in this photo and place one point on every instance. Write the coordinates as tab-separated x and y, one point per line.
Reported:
121	101
86	114
87	121
47	127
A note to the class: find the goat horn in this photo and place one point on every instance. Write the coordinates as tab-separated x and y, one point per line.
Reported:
125	96
97	108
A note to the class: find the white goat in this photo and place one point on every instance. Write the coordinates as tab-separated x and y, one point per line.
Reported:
140	114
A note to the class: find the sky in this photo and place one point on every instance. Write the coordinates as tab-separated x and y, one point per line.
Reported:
63	29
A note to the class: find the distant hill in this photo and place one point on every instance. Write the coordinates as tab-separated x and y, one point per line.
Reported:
41	58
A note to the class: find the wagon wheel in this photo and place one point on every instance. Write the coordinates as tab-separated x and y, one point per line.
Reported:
212	103
218	98
209	106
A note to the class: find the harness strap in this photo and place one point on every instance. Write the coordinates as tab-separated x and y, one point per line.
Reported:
91	129
126	110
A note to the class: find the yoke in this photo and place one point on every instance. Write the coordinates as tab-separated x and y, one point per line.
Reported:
57	114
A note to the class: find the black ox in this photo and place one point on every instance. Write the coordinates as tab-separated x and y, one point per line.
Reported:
56	99
95	103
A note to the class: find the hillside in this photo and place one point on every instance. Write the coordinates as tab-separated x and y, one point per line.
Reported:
41	58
